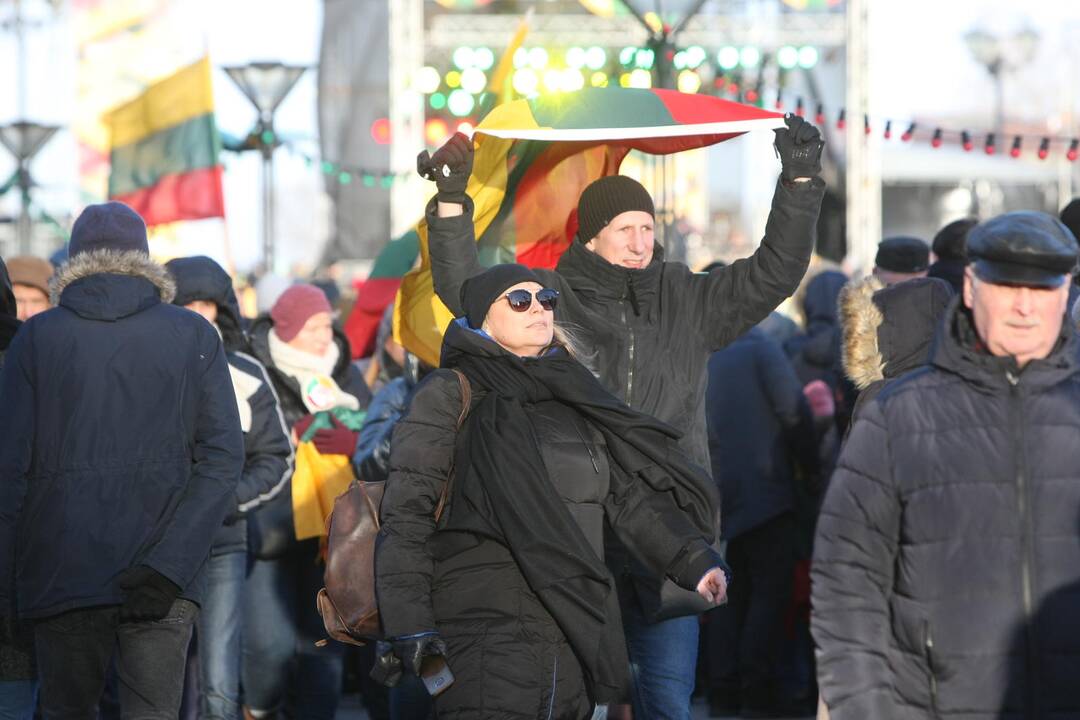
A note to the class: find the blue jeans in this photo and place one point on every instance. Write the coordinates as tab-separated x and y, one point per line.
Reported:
18	698
281	626
663	658
219	637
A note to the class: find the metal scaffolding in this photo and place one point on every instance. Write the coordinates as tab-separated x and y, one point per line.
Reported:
863	150
820	29
406	112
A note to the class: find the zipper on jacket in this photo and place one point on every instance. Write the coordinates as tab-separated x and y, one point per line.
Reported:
630	361
554	684
588	447
1024	507
928	645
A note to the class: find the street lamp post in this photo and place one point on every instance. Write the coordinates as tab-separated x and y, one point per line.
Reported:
266	84
1000	56
24	139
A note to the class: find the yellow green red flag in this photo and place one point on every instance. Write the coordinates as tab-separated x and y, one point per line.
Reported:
164	154
533	159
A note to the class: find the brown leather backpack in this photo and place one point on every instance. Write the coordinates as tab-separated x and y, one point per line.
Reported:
347	603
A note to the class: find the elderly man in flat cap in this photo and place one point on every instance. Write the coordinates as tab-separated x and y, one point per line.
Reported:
901	258
947	561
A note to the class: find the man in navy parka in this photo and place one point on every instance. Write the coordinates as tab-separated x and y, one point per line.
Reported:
120	454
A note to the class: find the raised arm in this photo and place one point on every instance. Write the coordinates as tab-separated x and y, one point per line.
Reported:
730	300
451	238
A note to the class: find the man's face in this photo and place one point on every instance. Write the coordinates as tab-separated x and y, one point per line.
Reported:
627	240
1017	320
29	300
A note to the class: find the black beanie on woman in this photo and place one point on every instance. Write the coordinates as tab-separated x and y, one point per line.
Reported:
479	291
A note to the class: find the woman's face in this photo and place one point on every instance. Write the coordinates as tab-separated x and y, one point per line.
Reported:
316	336
525	334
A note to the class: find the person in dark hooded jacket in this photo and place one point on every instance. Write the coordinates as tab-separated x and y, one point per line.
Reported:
308	360
947	559
121	455
888	330
815	353
650	327
204	287
510	586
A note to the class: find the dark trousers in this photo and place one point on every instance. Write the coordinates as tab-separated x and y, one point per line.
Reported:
744	635
74	650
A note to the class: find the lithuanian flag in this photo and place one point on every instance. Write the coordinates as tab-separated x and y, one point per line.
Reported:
165	147
533	159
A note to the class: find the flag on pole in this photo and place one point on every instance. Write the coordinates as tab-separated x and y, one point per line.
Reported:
164	149
533	159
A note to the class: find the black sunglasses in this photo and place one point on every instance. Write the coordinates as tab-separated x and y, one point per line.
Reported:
521	300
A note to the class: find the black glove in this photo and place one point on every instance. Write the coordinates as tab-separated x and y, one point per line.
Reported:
413	650
395	656
449	167
799	149
387	668
150	595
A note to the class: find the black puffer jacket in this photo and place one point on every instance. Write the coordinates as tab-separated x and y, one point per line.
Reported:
888	331
509	656
946	570
654	329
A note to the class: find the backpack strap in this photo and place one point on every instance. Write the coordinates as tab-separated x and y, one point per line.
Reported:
466	401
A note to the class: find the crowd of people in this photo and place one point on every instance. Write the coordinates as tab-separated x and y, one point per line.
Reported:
626	484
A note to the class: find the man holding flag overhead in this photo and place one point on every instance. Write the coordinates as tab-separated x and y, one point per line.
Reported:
651	326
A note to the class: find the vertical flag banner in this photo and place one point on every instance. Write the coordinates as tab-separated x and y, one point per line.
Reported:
533	159
124	46
164	149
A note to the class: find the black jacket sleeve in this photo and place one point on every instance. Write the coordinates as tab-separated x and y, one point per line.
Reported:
268	455
656	532
852	577
421	453
452	244
730	300
218	460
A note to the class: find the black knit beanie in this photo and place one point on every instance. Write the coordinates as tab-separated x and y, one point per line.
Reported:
480	291
607	197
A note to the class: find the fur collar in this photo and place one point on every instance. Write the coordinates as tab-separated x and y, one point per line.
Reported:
113	262
860	319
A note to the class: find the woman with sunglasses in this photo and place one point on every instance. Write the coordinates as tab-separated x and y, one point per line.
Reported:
510	586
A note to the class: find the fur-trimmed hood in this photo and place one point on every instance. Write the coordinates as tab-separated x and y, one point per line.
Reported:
860	319
109	284
888	331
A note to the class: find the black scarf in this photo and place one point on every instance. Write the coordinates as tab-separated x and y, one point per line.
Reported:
501	489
